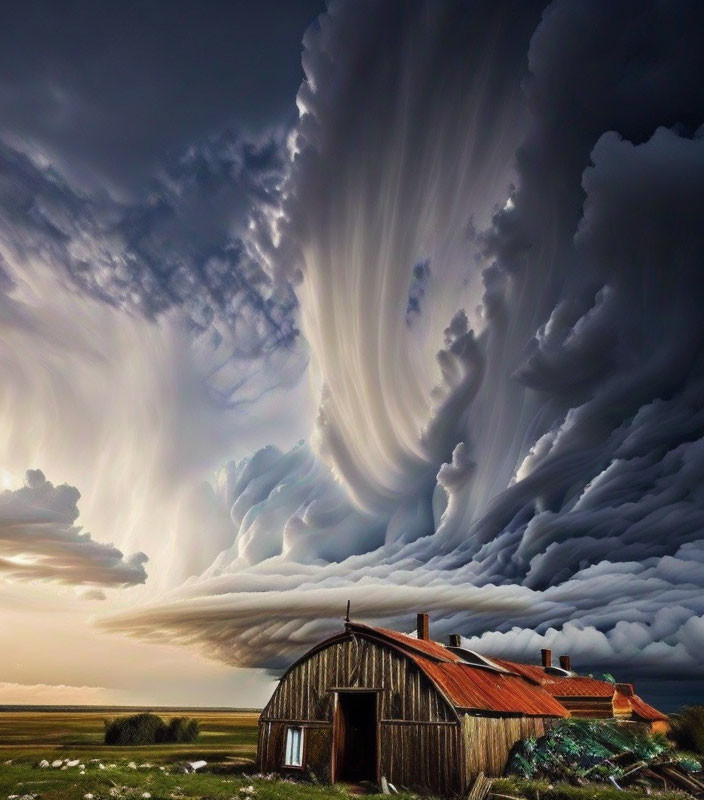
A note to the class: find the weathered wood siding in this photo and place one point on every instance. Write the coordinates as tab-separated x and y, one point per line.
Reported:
303	693
420	736
488	741
420	756
589	707
318	747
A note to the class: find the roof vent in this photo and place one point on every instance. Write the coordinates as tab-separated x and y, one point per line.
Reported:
477	659
546	657
559	672
455	640
565	662
423	627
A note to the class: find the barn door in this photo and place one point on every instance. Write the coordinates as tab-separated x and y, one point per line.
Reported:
355	737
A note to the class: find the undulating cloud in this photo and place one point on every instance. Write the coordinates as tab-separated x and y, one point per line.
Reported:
538	478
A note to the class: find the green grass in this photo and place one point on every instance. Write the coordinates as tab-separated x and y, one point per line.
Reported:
31	736
67	785
228	742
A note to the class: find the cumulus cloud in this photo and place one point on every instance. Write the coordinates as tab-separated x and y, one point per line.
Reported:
39	541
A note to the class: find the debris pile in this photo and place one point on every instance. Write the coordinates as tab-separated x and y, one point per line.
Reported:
623	754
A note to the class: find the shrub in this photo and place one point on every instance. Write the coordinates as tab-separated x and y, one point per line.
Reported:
148	728
182	730
137	729
688	729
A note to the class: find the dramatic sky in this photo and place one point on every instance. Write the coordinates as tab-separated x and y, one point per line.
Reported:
388	301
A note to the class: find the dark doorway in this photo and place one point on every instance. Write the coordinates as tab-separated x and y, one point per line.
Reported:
355	737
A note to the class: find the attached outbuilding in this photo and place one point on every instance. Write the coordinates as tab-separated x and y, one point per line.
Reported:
371	702
586	697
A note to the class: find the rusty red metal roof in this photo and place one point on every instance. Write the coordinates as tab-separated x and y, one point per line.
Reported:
643	711
526	689
532	672
578	686
485	690
467	686
559	686
425	646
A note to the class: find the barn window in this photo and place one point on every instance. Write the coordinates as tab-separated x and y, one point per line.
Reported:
293	755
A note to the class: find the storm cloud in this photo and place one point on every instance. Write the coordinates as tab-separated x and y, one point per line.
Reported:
537	479
481	241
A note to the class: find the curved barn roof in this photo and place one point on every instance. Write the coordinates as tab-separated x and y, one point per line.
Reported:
496	685
468	686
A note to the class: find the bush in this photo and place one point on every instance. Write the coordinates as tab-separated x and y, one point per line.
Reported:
182	730
148	728
688	729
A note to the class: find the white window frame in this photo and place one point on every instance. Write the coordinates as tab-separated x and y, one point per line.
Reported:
294	746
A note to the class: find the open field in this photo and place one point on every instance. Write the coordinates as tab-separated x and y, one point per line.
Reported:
229	736
228	742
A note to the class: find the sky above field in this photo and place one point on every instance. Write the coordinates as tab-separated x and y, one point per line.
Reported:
391	302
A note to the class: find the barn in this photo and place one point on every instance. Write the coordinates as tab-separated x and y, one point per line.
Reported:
371	702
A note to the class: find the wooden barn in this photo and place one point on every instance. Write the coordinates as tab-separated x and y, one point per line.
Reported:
371	702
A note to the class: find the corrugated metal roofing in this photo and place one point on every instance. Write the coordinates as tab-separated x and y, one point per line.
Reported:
471	687
484	690
642	710
530	671
572	686
424	646
527	689
578	686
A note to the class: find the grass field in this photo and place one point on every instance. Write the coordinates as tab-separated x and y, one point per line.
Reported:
229	737
228	742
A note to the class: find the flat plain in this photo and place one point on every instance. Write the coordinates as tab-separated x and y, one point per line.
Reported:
227	742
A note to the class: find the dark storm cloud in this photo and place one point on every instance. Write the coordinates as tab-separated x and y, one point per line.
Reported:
417	290
39	540
142	147
573	419
108	90
186	244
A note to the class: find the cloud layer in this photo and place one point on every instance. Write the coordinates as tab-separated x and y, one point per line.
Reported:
39	540
537	479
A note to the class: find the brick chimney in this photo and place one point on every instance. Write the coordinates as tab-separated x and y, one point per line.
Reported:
423	627
565	662
455	640
546	657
